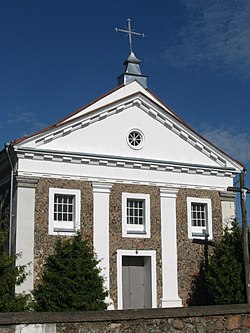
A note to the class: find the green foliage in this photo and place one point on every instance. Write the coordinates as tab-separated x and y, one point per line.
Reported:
10	275
71	280
225	276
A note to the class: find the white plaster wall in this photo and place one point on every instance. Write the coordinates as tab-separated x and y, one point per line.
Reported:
101	228
101	232
112	173
108	136
228	212
170	297
25	234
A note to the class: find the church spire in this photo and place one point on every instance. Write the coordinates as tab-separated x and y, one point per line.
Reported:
132	64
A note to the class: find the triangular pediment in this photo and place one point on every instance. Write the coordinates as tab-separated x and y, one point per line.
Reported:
102	128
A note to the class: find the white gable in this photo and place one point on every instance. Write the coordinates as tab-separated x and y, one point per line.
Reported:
103	131
108	137
93	145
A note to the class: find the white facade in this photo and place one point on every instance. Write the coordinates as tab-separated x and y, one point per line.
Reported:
93	145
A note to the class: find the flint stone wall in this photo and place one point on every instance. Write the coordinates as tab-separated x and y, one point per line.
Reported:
44	243
209	319
189	254
116	241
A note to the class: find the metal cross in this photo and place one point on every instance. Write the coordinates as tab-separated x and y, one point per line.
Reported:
130	33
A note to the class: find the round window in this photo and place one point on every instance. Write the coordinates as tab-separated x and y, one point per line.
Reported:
135	139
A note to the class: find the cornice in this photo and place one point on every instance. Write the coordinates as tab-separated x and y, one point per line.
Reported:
113	180
122	162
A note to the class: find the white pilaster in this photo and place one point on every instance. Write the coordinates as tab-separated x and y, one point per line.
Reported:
24	227
101	192
170	296
228	203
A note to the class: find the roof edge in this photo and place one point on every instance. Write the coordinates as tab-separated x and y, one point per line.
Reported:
63	120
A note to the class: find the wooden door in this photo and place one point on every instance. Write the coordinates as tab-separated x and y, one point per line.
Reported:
136	282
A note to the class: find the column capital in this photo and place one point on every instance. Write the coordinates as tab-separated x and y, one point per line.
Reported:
101	187
227	196
26	182
168	192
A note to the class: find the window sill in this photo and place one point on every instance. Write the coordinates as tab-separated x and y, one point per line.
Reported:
201	236
134	232
64	230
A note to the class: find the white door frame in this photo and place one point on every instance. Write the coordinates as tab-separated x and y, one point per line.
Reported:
134	253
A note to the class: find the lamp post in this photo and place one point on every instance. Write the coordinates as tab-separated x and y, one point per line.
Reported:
243	191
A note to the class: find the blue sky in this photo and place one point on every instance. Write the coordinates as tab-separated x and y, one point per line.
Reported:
58	55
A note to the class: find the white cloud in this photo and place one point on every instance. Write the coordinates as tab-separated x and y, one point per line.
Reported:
22	120
232	140
216	34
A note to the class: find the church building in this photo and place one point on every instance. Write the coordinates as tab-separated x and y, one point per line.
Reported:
136	181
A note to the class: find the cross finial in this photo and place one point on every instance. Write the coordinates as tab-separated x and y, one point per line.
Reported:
130	33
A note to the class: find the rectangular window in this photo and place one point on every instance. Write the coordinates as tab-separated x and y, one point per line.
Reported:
135	211
64	211
199	218
64	207
135	215
199	214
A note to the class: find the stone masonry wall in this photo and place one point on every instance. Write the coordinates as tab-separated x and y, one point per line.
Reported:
118	242
209	319
44	243
190	254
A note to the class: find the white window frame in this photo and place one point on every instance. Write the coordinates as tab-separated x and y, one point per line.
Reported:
199	232
136	231
141	136
60	228
139	253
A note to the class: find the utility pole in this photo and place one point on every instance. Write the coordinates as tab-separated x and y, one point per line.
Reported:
243	194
